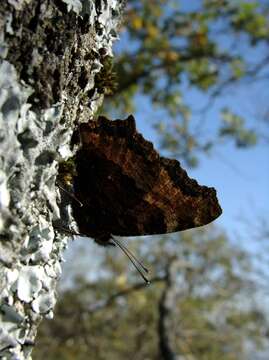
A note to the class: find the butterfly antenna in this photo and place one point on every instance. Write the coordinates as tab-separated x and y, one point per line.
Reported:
133	259
132	255
69	193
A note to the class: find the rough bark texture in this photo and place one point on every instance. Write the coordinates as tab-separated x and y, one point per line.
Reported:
50	52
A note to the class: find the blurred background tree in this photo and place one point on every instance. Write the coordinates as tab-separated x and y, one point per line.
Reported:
204	301
201	304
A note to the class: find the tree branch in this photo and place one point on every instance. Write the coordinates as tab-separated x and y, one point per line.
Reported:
167	309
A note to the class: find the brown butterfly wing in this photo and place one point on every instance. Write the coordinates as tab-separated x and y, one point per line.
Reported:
127	189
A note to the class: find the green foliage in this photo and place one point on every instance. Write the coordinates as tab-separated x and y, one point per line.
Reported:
116	316
248	17
235	125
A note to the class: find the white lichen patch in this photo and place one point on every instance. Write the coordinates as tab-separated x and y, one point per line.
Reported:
43	303
19	4
76	6
4	197
4	194
29	282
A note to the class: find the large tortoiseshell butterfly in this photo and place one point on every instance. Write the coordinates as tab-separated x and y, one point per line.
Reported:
128	189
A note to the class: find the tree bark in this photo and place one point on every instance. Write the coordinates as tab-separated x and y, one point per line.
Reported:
50	52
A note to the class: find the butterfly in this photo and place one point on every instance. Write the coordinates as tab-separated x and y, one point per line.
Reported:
128	189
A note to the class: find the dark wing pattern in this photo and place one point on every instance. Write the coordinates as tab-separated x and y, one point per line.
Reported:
127	189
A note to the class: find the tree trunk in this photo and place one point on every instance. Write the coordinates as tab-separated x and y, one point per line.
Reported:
50	52
169	313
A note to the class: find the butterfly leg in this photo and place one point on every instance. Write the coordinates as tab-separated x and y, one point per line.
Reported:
63	229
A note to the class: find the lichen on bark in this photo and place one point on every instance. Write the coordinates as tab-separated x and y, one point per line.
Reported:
50	53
